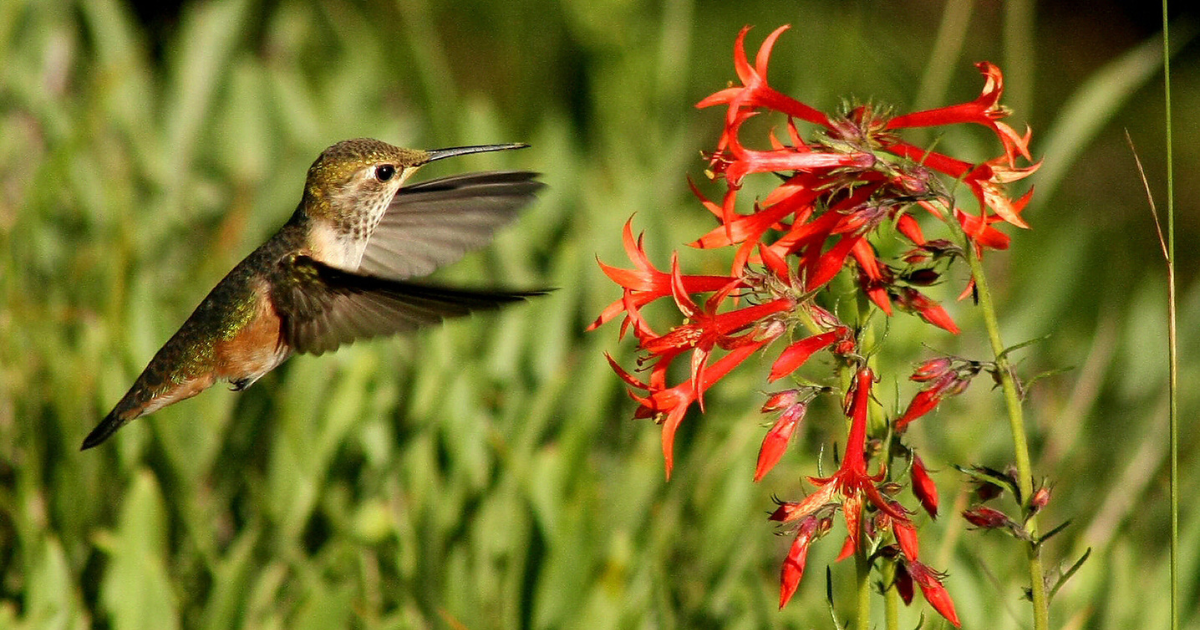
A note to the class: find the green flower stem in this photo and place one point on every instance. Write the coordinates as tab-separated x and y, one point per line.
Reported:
891	597
863	567
1016	421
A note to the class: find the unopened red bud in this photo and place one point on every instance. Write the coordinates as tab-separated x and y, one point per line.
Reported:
985	517
987	491
781	400
906	536
922	277
909	227
824	318
1041	497
932	369
939	247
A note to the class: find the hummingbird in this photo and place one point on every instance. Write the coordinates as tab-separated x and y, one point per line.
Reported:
339	270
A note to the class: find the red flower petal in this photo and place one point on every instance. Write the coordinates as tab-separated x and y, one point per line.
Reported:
796	354
921	404
923	487
931	586
810	529
906	535
908	226
777	439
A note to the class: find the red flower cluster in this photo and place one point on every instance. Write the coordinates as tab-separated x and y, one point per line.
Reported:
841	192
851	489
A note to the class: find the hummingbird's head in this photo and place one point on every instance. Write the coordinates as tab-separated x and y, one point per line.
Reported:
352	183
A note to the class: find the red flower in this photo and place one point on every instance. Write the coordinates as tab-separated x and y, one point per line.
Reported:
706	329
669	404
851	482
930	582
798	352
794	405
852	138
810	528
984	110
912	300
754	91
645	283
746	230
736	162
923	487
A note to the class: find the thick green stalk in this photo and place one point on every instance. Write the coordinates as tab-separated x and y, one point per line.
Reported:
1016	421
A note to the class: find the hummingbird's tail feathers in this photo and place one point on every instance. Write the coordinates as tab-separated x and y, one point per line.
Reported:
160	384
434	223
328	307
106	428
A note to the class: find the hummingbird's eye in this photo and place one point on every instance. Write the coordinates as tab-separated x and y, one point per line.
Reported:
384	172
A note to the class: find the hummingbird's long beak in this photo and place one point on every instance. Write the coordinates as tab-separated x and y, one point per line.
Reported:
439	154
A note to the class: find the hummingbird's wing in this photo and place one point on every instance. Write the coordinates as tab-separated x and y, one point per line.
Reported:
322	307
434	223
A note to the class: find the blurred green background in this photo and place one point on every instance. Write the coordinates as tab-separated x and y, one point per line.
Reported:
488	474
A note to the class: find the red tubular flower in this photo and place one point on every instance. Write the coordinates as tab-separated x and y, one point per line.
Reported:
930	582
914	301
706	329
851	481
645	283
747	230
924	402
923	487
797	353
670	405
737	161
984	110
776	442
810	529
754	91
853	486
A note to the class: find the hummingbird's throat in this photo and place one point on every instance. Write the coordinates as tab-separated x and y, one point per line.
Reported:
354	231
340	242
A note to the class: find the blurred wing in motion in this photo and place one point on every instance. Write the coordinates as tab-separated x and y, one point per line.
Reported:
434	223
322	307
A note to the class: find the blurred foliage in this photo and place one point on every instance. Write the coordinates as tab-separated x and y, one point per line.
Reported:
486	475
